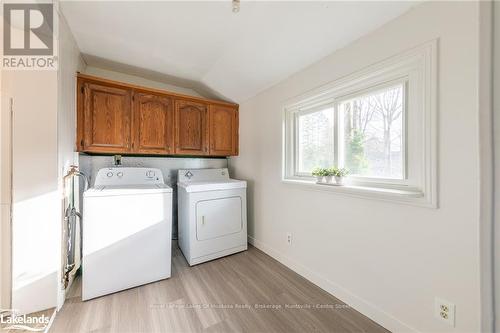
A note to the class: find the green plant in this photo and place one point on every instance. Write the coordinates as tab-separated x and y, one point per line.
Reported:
329	172
355	152
319	172
339	172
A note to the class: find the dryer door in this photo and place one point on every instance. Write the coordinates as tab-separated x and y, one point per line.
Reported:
218	217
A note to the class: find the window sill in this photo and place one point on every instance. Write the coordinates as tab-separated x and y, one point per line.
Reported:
405	196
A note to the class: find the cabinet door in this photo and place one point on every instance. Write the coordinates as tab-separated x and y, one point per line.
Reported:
223	130
191	128
107	113
153	124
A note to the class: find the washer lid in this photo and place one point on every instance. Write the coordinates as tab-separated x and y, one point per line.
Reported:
202	186
108	190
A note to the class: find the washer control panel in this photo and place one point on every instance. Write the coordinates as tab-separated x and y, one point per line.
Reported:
128	176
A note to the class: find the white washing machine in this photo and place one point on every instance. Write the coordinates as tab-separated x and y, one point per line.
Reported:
212	212
127	228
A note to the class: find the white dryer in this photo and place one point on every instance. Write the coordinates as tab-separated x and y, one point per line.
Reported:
212	212
127	228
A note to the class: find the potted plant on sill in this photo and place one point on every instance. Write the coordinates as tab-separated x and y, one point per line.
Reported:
339	174
319	173
329	175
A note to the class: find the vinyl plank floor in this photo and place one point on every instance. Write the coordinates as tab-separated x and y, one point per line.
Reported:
244	292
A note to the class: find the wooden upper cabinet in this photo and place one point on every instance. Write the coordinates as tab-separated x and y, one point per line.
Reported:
121	118
223	123
153	124
191	128
107	116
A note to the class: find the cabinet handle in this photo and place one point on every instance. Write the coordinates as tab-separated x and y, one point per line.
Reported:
81	142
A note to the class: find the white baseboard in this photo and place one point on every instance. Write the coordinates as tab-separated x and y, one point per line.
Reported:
366	308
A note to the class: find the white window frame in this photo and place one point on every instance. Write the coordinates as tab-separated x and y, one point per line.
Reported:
417	71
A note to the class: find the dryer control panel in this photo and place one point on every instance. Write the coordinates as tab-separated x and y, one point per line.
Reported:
128	176
202	175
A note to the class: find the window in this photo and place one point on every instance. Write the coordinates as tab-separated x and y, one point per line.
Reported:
379	124
315	146
372	134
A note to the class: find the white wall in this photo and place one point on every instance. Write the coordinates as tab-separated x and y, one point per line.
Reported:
387	260
133	79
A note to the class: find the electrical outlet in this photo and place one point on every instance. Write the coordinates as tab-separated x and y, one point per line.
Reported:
289	238
444	311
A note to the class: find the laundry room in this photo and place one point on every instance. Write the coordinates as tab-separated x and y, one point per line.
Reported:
249	166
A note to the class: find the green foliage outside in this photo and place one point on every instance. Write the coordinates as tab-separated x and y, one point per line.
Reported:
355	153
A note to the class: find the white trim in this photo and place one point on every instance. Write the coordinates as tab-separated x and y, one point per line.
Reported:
363	306
410	196
418	68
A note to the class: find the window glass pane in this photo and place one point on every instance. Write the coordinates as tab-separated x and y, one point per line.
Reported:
373	133
315	140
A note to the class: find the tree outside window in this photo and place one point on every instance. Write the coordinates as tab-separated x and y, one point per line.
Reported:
373	133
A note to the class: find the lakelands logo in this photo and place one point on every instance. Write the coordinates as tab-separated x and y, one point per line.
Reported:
28	36
10	320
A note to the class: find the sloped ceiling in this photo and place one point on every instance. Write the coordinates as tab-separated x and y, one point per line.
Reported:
207	47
